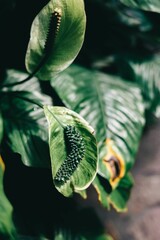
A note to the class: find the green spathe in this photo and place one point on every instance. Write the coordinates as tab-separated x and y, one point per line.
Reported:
64	47
58	118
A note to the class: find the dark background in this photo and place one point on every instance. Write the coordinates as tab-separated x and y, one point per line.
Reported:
108	40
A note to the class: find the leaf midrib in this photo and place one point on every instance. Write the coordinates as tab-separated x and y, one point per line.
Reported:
101	104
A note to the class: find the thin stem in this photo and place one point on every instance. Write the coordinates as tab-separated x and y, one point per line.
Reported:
18	83
47	47
29	100
30	76
41	106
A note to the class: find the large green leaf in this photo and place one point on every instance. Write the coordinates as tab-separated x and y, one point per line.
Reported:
52	48
149	5
147	75
73	167
115	110
102	192
25	126
7	229
1	127
119	196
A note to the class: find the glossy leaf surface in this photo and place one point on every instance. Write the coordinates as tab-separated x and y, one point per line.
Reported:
115	110
147	75
53	46
25	127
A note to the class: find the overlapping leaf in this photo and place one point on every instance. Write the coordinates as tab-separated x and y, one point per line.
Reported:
147	75
1	127
102	192
82	220
68	235
25	125
149	5
115	110
7	229
13	76
63	46
78	176
118	198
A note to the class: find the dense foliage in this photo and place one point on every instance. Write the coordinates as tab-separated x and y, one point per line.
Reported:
76	97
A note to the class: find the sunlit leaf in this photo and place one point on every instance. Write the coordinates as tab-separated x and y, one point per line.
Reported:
149	5
55	40
13	76
25	126
115	110
73	150
147	75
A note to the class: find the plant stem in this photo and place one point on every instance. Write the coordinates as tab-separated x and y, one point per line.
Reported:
29	100
30	76
41	106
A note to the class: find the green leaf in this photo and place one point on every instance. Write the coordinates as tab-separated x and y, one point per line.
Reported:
115	110
149	5
82	193
68	175
147	75
64	234
7	229
1	127
52	48
68	235
102	192
25	126
79	237
104	237
132	17
119	197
